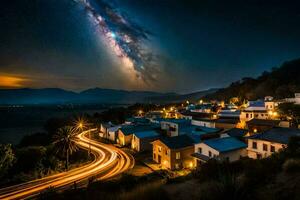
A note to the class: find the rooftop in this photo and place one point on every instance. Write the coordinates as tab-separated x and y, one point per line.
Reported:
225	144
236	132
228	120
265	122
177	142
147	134
278	135
131	129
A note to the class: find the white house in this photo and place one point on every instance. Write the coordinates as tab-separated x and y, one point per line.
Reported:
264	144
210	123
112	133
295	100
226	148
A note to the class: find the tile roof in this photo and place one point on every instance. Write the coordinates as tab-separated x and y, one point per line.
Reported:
225	144
278	135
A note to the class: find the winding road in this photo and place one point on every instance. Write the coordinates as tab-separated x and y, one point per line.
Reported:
108	162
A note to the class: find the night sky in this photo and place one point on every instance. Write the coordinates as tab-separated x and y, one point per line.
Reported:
159	45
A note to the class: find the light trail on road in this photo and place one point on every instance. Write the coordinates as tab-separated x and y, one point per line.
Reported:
108	162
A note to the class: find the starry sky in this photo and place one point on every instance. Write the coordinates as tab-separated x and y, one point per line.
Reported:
158	45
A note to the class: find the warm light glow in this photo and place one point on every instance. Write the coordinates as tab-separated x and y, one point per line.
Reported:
187	102
255	130
11	82
270	113
191	165
201	101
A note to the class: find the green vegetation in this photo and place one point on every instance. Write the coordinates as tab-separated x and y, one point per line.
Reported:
290	111
40	154
276	177
65	141
280	83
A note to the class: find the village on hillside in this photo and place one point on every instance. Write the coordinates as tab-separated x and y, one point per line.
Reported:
186	135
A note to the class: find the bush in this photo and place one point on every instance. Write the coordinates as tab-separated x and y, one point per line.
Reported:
291	166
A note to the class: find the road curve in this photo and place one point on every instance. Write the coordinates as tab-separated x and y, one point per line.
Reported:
108	162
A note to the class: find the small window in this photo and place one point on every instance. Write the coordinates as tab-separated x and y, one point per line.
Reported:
200	150
167	152
159	148
247	115
254	145
209	153
265	147
272	149
178	155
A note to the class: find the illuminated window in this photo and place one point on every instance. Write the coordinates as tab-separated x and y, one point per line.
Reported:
159	148
178	155
167	152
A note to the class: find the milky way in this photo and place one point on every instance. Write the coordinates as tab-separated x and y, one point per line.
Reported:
125	39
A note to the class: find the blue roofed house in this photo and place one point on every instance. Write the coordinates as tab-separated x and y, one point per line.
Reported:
126	132
172	126
264	144
141	140
227	148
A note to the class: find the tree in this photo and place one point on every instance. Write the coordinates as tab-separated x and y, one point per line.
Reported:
7	158
65	141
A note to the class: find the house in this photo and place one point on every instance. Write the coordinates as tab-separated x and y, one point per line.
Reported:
237	133
112	133
230	113
187	114
103	129
204	122
198	133
126	132
172	126
227	148
174	152
264	144
137	121
295	100
255	110
226	123
260	125
141	140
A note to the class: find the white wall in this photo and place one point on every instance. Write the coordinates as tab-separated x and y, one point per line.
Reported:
203	123
232	155
252	153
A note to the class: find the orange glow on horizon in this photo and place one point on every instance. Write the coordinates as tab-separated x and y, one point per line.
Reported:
11	81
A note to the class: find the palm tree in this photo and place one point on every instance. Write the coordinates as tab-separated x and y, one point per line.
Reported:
65	141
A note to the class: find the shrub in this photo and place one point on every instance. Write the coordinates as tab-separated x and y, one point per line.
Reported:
291	166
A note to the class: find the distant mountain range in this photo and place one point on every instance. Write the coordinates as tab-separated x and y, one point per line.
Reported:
280	82
92	96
